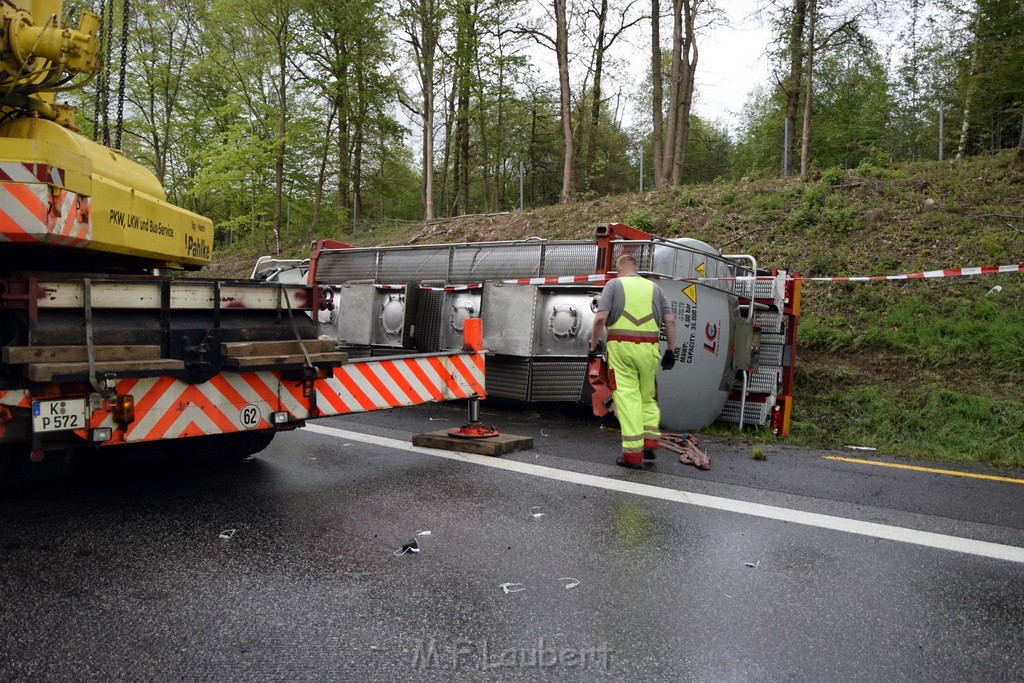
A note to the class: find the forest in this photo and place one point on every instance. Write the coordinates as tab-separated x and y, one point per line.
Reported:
299	117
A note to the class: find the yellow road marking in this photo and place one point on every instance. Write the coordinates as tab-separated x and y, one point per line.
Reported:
915	468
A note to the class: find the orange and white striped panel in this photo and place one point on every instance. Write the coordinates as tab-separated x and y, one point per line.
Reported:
15	398
392	383
34	212
168	408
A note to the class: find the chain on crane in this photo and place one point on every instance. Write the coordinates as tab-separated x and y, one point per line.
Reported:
101	116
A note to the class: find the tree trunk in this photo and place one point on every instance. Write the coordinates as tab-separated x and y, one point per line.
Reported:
595	105
688	67
656	95
282	130
427	77
804	139
362	109
562	53
344	158
321	178
792	86
671	126
961	148
1020	143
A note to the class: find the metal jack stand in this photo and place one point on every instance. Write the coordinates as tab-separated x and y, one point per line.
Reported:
474	429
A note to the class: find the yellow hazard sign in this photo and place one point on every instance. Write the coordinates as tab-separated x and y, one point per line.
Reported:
691	292
700	270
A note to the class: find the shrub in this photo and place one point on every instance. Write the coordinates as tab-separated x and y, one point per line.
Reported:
727	196
814	195
639	219
834	175
840	221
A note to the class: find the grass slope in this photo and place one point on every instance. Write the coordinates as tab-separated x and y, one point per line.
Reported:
923	367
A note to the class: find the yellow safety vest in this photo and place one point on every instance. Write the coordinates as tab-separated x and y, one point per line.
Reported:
637	323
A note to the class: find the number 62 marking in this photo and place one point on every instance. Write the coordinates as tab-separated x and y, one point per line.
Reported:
249	416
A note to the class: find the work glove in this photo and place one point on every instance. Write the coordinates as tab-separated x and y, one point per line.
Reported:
594	353
668	360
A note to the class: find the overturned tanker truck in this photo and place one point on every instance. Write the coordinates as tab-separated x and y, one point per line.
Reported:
736	323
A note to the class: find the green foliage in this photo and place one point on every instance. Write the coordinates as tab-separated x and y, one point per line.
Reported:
834	175
639	218
801	219
839	220
727	196
815	194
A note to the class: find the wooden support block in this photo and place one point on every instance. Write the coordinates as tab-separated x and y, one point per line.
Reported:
21	355
274	348
492	445
46	372
333	358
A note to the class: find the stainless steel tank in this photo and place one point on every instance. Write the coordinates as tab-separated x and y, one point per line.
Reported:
692	394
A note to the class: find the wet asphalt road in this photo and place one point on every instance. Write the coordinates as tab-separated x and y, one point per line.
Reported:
118	571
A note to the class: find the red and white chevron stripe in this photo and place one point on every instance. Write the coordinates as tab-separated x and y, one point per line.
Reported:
15	398
31	212
19	172
167	408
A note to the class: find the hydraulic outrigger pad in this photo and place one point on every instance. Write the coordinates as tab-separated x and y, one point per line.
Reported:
474	429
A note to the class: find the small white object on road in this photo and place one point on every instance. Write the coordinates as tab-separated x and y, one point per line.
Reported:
512	587
575	582
227	534
862	448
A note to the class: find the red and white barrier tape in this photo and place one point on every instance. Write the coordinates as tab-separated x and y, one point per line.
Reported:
451	288
946	272
562	280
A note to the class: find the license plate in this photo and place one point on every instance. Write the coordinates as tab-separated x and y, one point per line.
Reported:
59	415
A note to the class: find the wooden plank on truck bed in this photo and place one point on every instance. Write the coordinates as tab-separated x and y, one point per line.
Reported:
332	358
46	372
270	348
20	355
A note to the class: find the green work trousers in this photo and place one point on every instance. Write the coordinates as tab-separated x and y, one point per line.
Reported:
634	370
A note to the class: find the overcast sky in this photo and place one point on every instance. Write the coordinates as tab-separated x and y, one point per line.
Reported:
733	60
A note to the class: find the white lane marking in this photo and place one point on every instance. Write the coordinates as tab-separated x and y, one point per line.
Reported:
890	533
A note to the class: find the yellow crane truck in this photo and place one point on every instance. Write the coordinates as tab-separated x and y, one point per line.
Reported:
102	347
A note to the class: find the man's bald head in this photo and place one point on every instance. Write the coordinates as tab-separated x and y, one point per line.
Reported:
626	265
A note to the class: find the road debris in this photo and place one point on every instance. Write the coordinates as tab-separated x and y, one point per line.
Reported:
536	515
575	582
753	565
227	534
862	448
512	587
685	445
410	547
422	533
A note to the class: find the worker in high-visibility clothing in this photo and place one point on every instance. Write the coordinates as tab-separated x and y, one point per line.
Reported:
634	310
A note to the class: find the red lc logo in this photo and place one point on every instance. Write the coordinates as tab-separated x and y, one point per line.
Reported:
711	334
